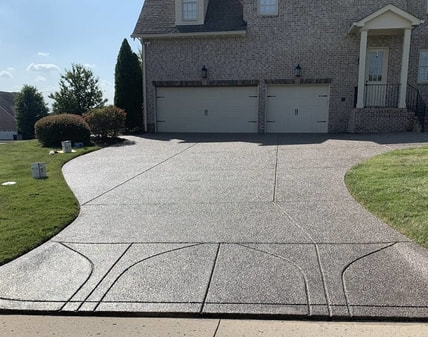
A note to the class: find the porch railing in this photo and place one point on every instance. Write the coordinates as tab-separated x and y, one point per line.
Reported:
387	95
379	95
416	104
382	95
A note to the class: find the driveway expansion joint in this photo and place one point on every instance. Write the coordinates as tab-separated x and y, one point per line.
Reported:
138	175
211	278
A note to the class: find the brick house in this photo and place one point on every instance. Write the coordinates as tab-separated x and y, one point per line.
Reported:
8	127
279	66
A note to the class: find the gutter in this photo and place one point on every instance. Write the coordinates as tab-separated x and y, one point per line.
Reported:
191	35
144	45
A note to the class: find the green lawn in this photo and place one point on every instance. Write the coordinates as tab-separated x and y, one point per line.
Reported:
394	187
33	210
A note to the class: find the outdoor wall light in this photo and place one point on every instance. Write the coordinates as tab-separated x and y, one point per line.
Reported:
298	71
204	72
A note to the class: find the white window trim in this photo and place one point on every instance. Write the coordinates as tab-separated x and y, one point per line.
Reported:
259	12
196	11
420	65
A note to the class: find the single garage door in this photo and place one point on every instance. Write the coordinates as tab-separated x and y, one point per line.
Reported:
297	109
208	109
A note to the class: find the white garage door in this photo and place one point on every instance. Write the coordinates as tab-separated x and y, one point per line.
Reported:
210	109
297	109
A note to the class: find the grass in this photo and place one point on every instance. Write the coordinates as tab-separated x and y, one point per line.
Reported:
394	187
33	210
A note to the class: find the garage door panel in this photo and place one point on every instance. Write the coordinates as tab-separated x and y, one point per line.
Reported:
297	109
220	109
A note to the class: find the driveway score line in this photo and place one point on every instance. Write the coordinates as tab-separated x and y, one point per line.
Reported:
139	174
305	280
138	262
276	170
348	305
327	298
211	277
105	275
86	280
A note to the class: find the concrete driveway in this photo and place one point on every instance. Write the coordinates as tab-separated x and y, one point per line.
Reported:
222	224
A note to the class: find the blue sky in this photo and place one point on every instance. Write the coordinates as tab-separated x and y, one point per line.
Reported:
41	38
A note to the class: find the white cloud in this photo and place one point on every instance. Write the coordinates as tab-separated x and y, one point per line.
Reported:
5	74
42	53
43	67
11	69
40	79
87	65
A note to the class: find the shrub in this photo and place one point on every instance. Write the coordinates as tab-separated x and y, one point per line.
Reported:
106	122
52	130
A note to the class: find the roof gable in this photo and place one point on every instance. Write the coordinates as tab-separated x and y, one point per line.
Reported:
158	18
388	17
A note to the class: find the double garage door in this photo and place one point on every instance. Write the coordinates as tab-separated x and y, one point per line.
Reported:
235	109
212	109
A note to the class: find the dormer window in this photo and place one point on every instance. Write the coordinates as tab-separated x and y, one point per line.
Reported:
268	7
190	10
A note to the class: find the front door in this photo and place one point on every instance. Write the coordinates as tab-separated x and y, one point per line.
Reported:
376	73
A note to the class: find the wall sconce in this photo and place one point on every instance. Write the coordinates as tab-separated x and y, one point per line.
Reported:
204	73
298	71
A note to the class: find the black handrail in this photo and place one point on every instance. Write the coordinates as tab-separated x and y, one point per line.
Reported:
416	104
381	95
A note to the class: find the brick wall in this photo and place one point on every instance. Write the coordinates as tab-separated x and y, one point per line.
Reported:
306	32
381	120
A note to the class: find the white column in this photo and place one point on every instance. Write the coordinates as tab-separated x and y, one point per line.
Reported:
362	69
405	68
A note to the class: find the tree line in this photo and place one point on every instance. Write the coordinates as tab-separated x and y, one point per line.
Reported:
80	91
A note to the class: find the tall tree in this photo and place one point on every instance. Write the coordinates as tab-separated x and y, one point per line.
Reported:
129	87
30	107
79	92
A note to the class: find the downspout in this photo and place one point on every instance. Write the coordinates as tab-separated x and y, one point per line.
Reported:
143	44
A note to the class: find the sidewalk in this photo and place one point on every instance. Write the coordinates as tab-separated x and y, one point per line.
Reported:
50	326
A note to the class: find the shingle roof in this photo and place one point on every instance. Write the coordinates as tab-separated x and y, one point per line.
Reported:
7	111
158	17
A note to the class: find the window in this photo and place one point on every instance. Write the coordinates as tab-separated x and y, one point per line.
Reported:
268	7
423	66
190	10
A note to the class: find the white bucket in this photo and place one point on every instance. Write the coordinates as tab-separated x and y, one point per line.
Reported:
66	146
38	170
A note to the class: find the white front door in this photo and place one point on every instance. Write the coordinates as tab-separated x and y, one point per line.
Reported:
376	76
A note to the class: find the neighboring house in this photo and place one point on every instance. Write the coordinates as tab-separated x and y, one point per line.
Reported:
274	66
8	128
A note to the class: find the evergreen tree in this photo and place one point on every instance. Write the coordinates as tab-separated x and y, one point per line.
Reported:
129	87
79	92
30	107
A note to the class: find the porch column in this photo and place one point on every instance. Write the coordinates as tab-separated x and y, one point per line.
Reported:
405	68
362	69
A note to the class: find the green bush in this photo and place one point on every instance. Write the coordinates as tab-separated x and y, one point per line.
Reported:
106	122
52	130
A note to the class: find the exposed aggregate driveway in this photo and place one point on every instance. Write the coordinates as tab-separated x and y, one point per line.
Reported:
224	224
